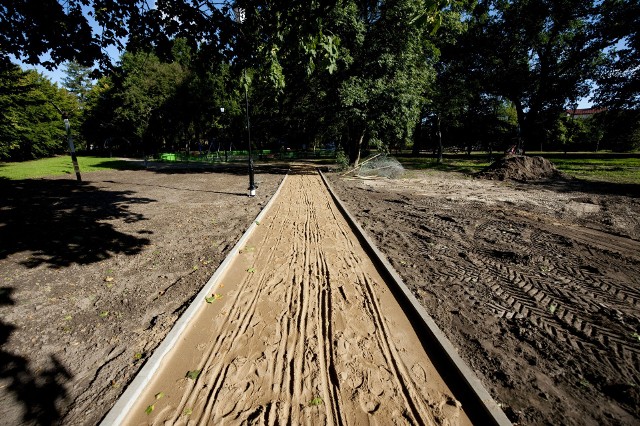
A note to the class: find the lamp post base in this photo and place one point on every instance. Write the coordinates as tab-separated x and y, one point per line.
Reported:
252	182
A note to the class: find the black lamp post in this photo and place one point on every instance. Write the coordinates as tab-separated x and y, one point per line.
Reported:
72	148
239	15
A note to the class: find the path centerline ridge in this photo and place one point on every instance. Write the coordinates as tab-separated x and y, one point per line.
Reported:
300	329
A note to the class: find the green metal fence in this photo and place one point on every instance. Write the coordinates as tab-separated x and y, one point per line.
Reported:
265	154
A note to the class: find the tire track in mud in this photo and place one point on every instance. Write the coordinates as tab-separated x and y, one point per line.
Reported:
565	301
541	302
581	308
309	333
562	301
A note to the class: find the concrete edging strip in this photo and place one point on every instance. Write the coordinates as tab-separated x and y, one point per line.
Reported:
492	411
125	402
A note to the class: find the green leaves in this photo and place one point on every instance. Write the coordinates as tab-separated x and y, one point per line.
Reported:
30	124
213	298
152	407
193	374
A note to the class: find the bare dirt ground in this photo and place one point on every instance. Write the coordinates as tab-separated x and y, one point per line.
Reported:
93	276
537	284
300	330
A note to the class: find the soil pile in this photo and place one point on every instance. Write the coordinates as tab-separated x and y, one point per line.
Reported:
521	168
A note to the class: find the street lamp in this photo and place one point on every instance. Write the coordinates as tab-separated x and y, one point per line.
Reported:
220	138
240	16
72	148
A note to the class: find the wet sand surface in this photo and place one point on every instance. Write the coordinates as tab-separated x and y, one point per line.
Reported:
300	330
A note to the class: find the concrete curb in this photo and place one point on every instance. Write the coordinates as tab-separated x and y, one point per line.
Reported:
480	406
125	402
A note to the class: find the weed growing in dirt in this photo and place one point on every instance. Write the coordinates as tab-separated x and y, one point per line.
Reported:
341	160
316	401
187	412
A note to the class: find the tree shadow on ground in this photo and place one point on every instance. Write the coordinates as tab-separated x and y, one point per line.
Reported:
41	393
567	185
62	222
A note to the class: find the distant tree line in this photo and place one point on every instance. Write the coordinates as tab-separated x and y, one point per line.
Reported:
355	74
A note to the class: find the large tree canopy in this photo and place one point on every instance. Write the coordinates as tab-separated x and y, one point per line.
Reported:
31	123
619	77
538	54
351	73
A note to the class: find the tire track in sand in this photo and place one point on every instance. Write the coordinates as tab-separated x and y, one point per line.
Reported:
306	332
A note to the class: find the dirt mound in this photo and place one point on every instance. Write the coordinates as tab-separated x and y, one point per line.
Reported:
520	167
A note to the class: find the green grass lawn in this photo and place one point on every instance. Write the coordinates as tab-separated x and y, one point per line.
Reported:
601	167
61	165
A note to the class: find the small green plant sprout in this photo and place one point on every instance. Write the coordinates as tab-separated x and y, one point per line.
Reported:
159	395
195	267
635	336
251	270
137	356
187	412
149	409
193	374
316	401
68	317
214	297
103	314
552	308
403	263
257	222
585	383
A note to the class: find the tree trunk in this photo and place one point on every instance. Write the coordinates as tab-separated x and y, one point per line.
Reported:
521	126
354	151
439	138
417	138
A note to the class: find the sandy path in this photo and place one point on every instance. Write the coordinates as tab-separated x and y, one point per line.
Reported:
303	331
